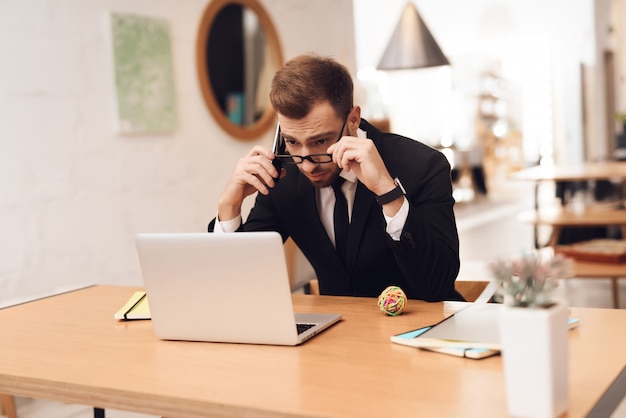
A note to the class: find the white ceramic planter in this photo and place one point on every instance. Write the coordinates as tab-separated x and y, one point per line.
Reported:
535	353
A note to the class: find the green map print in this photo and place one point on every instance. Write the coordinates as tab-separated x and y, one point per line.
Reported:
144	76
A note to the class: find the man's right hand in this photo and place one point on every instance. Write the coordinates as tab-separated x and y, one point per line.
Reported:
253	173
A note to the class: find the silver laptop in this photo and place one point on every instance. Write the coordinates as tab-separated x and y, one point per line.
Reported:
230	287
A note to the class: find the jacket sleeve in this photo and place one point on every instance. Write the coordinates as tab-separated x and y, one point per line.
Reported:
428	251
262	217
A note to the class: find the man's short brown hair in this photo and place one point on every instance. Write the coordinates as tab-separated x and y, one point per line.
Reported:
310	79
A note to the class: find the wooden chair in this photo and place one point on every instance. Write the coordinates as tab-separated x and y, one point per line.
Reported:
7	406
314	287
298	268
470	289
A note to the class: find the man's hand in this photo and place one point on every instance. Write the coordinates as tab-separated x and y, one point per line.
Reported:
254	172
361	156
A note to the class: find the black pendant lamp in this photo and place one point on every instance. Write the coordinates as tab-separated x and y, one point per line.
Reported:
411	45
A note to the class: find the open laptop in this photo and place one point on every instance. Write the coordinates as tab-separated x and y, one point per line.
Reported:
230	287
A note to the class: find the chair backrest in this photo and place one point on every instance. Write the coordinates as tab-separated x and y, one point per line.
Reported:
470	289
298	267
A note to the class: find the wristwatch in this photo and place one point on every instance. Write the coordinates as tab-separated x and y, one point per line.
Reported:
393	194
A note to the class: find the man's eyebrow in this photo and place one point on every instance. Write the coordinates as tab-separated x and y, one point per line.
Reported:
321	135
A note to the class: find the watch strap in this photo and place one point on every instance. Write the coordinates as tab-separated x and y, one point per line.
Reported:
391	195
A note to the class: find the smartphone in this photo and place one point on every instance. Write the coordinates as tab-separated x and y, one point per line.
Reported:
278	148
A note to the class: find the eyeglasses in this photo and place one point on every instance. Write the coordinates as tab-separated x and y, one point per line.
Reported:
314	158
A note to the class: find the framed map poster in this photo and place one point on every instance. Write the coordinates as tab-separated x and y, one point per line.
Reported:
144	75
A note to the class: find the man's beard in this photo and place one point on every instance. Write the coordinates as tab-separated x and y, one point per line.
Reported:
326	183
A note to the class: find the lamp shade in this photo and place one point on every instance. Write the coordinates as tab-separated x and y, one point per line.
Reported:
411	45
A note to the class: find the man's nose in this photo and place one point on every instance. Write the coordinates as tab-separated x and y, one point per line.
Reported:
308	166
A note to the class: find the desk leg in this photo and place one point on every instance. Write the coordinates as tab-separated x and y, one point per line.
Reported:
554	237
98	413
615	290
8	406
536	211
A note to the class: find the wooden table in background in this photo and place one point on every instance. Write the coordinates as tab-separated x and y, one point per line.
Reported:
602	270
558	218
69	348
606	170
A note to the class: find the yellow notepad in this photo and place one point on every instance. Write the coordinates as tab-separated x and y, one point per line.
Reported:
136	308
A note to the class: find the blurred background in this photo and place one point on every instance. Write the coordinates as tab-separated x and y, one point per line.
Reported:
114	123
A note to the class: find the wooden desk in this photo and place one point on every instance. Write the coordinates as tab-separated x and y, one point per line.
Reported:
69	348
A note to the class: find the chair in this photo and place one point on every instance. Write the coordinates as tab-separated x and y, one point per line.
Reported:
470	289
466	284
314	287
7	406
298	268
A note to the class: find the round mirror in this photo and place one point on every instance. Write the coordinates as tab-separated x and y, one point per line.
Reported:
237	54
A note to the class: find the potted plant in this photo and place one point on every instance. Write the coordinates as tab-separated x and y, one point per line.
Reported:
534	333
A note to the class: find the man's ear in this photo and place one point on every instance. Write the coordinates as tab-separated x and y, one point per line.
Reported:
354	120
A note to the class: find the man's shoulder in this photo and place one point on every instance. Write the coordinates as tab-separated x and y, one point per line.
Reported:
392	142
396	146
407	157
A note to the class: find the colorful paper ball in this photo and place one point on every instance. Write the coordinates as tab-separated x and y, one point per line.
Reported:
392	300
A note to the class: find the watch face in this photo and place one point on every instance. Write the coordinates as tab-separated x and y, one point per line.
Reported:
397	181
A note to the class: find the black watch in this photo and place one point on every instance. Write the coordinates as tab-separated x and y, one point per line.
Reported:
393	194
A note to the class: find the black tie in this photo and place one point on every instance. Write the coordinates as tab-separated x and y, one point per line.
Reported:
340	218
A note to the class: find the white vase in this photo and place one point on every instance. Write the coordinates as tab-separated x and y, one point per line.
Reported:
535	358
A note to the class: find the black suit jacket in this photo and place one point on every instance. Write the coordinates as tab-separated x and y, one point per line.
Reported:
424	263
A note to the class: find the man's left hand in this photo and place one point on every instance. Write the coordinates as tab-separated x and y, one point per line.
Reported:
361	156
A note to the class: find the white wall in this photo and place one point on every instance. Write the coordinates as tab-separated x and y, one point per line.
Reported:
461	26
619	45
72	192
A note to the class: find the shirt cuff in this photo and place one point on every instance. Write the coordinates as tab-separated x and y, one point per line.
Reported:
230	225
396	223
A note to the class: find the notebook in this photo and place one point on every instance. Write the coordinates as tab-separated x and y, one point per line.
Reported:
137	307
475	326
230	287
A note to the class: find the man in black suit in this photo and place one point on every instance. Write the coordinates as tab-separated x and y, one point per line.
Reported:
401	230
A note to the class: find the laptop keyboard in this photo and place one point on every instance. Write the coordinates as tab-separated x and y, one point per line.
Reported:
303	327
